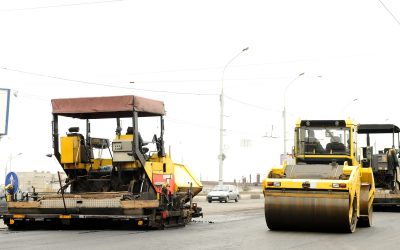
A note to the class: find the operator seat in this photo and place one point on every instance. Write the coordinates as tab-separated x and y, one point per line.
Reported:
335	146
129	131
312	145
74	131
86	152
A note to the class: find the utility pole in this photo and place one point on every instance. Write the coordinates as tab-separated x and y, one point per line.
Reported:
221	155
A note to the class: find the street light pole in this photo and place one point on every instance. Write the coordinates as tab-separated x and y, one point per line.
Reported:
8	163
10	158
221	155
284	111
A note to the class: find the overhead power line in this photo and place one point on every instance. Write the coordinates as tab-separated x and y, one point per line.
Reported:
139	89
60	5
252	64
106	84
388	10
228	132
251	105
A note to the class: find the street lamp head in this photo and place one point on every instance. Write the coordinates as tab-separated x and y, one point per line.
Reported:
301	74
247	48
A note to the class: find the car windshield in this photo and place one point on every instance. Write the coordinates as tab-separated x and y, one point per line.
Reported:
220	188
323	140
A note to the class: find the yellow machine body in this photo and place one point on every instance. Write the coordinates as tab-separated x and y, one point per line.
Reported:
321	190
183	178
71	155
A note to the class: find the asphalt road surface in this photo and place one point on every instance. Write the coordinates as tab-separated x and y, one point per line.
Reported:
225	226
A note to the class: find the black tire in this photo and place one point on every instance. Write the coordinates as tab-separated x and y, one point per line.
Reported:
17	225
237	198
226	199
209	201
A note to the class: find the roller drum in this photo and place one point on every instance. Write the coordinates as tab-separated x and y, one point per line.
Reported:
309	211
366	209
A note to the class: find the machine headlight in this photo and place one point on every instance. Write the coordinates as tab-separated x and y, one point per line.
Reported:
273	184
339	185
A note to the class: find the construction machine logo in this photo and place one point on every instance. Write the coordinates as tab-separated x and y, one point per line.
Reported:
306	184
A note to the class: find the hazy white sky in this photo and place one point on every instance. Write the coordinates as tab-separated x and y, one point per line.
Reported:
175	51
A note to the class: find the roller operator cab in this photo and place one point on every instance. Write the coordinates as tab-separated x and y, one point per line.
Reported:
114	176
326	189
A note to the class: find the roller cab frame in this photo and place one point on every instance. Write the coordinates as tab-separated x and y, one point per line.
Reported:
326	188
384	165
133	185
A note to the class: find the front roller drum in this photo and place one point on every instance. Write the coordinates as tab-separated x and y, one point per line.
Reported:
310	211
366	209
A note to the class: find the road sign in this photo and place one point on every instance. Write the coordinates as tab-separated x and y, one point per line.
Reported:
12	178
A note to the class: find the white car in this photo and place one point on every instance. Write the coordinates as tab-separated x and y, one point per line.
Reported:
223	193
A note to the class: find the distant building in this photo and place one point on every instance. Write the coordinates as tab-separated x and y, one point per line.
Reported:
42	181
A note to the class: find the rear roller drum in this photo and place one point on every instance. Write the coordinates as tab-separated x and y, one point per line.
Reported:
366	220
366	209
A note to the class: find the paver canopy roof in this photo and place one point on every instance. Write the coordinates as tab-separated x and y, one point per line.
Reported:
107	107
377	128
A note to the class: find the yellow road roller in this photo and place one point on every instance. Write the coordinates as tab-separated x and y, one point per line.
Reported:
326	188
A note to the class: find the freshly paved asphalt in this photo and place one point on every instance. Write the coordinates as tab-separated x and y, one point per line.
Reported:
224	226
